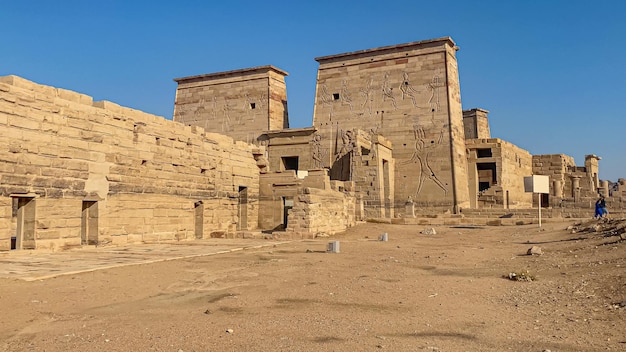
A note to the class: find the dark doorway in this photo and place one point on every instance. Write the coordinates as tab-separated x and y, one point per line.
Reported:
386	189
198	220
287	205
89	223
24	213
242	224
290	163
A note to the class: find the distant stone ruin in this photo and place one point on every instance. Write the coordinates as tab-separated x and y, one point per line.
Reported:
389	142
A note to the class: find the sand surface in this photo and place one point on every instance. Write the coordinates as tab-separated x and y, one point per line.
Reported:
415	292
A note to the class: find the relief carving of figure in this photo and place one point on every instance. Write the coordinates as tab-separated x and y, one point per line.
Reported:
366	93
227	122
345	95
435	85
326	98
388	91
407	89
421	155
317	152
346	144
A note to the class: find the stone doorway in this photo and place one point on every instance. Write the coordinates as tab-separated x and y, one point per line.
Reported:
242	224
89	223
287	205
387	190
23	212
198	208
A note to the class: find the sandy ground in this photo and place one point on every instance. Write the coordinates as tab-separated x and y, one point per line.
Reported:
415	292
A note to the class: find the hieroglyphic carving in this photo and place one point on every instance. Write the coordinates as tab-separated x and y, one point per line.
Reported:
345	95
421	155
181	111
367	96
247	105
344	143
435	84
407	89
387	91
227	122
373	136
326	99
318	152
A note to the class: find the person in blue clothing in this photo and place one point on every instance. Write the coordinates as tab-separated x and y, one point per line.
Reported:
598	213
604	212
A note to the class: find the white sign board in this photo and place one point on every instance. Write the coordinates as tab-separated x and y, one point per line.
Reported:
537	184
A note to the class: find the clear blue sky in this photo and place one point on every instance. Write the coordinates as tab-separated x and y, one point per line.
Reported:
551	73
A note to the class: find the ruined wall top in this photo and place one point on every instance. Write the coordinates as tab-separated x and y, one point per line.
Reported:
234	74
391	49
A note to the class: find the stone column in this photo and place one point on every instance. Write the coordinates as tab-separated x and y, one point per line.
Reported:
576	188
557	187
604	188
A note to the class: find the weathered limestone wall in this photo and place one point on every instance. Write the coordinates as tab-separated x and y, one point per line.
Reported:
240	104
282	192
556	166
516	163
276	189
146	174
408	93
318	211
298	143
372	168
476	124
509	163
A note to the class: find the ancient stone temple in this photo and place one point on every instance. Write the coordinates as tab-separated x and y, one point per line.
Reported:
389	140
240	103
77	172
409	94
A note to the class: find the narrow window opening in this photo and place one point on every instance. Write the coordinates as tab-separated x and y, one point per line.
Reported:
290	163
335	96
252	105
484	153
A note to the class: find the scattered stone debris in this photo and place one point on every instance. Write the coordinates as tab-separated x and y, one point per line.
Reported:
207	311
605	227
534	250
618	305
430	231
520	276
230	331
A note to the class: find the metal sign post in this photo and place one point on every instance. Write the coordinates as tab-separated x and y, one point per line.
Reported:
537	184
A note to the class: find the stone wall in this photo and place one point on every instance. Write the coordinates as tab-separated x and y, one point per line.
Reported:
409	94
372	171
319	211
503	166
297	144
555	166
96	172
276	194
476	124
241	103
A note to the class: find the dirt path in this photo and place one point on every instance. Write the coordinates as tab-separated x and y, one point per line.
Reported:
416	292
